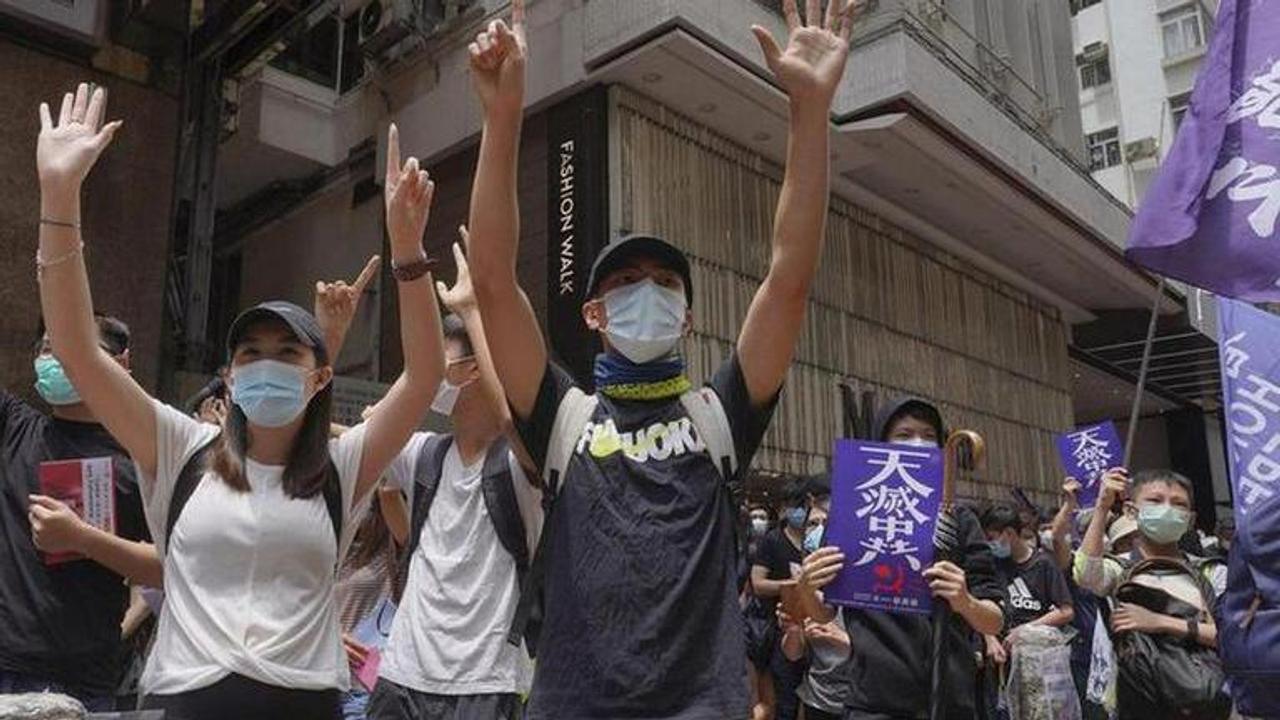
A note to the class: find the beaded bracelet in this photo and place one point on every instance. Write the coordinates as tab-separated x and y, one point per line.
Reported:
42	264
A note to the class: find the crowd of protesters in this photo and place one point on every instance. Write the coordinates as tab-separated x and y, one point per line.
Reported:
268	563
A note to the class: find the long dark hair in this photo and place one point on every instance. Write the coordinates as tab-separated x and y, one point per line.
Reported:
372	538
304	474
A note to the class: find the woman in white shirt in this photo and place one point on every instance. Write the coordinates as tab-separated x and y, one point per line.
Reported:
249	627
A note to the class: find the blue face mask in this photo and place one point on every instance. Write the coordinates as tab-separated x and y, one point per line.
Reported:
52	382
645	320
269	392
1001	550
797	516
1163	524
813	538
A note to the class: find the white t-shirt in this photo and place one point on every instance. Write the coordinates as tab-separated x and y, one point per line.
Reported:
449	636
248	576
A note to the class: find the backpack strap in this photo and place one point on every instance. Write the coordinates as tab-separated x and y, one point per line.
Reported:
567	431
1164	565
193	472
707	414
188	480
498	486
427	470
526	624
572	417
332	490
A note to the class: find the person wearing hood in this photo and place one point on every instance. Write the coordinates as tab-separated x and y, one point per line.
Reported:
889	666
641	608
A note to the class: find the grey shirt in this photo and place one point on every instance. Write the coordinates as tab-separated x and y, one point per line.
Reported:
826	684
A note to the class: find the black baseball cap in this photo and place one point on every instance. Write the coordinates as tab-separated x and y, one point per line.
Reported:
303	324
619	253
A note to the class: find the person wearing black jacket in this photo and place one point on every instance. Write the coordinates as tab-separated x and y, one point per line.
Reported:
889	667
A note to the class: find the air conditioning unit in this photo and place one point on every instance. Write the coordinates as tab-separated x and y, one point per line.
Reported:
1141	149
384	24
1093	52
83	21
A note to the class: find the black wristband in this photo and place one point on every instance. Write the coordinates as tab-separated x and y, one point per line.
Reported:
414	269
1193	631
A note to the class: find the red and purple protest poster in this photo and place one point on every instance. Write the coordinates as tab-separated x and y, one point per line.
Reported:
87	486
884	505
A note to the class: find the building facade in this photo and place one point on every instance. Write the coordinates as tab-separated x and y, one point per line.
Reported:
1137	62
968	244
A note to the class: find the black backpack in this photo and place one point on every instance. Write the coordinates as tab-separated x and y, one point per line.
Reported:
193	472
1160	676
498	487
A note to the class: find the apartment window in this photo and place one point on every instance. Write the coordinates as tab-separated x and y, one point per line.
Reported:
1078	5
1182	30
1094	73
327	54
1178	105
1104	149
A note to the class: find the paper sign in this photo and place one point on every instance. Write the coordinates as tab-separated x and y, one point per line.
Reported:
87	486
372	632
884	505
1087	453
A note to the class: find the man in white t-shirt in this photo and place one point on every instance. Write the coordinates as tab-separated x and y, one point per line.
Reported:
448	656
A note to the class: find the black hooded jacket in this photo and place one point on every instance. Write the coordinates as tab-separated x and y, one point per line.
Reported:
889	667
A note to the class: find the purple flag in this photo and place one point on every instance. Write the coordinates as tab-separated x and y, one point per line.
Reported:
1250	351
1087	453
1209	218
884	505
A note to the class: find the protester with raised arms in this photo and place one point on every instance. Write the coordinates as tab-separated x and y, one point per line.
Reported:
641	614
249	627
475	517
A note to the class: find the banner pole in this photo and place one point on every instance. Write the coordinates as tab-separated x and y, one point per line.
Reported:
1132	430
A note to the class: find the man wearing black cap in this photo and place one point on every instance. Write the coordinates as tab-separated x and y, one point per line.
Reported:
640	604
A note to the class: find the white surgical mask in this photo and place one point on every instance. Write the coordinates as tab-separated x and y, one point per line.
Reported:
916	442
447	394
446	397
645	320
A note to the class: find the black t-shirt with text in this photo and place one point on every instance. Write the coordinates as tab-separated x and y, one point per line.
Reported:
890	666
641	616
1034	587
60	622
